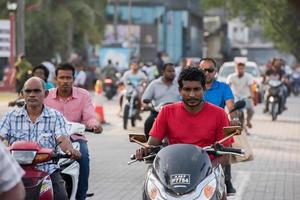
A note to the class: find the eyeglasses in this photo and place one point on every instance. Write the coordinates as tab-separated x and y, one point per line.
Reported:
209	70
36	91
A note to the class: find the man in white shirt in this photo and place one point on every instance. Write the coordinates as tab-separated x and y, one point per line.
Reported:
240	83
80	77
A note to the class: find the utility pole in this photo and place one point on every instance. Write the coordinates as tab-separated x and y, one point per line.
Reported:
116	21
21	27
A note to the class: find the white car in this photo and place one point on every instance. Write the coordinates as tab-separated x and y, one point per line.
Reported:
252	68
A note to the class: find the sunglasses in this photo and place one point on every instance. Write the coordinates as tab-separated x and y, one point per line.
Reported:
209	70
36	91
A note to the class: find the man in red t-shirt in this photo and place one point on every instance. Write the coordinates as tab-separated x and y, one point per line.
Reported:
192	121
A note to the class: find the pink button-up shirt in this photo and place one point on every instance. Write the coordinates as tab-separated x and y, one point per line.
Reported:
77	108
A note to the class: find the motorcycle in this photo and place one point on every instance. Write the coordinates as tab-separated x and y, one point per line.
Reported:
109	87
295	83
174	175
38	183
274	98
184	171
131	107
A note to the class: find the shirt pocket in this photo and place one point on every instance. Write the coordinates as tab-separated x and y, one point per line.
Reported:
46	139
18	136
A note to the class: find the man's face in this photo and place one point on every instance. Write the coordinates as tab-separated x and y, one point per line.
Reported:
34	93
39	73
208	67
240	69
169	73
64	80
134	66
192	93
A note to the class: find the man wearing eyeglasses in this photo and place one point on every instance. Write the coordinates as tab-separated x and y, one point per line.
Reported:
38	123
219	94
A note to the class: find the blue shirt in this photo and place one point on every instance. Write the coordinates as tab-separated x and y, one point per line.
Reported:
218	94
16	126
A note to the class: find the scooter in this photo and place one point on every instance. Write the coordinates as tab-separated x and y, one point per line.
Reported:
295	83
37	183
184	171
109	87
274	98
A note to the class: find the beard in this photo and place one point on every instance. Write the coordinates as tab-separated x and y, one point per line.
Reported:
192	102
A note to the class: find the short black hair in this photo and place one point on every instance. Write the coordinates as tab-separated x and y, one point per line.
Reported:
191	74
42	67
65	66
209	59
166	65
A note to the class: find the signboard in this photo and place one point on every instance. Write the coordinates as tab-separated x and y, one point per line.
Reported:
4	38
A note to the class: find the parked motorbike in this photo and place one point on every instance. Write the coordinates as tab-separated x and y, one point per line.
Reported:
109	88
131	107
174	175
295	83
184	171
274	95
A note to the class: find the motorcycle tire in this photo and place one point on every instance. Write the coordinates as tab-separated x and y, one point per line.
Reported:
274	111
109	96
68	184
125	116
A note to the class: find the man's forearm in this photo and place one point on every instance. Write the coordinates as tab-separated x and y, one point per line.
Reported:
65	143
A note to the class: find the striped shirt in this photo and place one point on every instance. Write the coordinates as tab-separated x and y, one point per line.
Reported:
10	171
16	126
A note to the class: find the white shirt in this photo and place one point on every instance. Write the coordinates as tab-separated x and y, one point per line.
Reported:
80	78
240	86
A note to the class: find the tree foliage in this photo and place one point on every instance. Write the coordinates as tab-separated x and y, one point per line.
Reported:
279	18
61	26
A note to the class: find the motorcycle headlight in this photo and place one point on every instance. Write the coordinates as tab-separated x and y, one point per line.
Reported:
23	157
153	188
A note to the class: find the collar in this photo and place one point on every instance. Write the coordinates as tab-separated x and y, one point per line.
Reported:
23	112
53	93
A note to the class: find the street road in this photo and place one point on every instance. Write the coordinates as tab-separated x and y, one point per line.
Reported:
273	174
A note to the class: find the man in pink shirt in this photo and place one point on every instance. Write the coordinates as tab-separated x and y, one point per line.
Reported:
76	105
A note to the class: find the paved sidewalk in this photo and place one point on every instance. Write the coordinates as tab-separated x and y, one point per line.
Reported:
275	171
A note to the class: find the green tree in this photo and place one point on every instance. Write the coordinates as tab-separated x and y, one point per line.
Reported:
62	26
279	18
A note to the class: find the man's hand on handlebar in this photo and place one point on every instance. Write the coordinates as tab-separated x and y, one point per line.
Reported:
73	153
141	153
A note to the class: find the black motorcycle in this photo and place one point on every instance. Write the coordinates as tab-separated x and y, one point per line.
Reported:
109	87
274	98
184	171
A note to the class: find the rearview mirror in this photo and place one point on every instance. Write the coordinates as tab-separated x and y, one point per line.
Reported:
238	105
146	101
137	137
236	130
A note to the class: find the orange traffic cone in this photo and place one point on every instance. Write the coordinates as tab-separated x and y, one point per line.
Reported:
98	105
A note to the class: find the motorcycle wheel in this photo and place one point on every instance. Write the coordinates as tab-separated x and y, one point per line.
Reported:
274	110
109	95
68	184
125	116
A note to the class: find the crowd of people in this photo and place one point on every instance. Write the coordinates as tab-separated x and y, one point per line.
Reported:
55	95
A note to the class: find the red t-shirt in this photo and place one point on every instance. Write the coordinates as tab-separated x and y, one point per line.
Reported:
180	126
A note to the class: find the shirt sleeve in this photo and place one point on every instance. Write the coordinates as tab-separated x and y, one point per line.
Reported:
10	171
89	118
61	126
160	126
5	126
149	92
228	93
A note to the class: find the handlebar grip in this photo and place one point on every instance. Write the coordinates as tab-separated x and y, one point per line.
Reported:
59	156
233	150
132	157
89	130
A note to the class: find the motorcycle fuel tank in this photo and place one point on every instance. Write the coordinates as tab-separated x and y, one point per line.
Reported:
181	167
